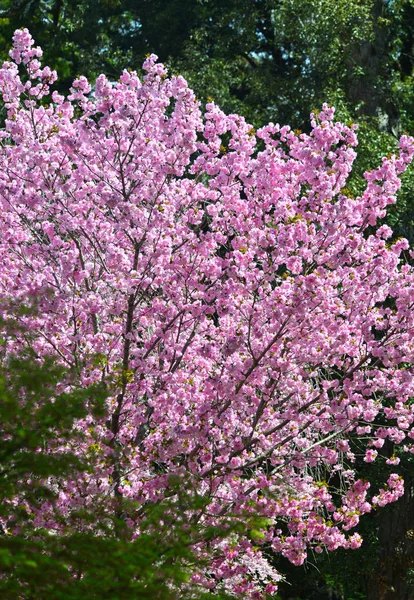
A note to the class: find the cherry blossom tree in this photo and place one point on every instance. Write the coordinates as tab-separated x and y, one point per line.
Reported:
249	319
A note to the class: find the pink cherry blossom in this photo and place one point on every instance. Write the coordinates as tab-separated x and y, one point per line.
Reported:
229	291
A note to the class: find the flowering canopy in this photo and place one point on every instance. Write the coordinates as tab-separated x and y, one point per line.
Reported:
244	313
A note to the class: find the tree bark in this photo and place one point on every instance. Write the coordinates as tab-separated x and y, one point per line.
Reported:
391	579
371	59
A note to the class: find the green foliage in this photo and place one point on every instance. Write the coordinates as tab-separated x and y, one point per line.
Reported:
34	416
90	553
97	564
95	36
266	59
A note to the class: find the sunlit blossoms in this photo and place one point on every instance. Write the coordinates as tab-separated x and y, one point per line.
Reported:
248	317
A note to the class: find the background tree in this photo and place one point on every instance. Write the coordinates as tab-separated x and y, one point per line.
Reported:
278	58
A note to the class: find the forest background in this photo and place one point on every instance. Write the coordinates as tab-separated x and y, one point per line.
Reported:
270	60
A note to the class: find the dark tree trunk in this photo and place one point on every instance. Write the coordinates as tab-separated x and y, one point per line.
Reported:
391	579
369	64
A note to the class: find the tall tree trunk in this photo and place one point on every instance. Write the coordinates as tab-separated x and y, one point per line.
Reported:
391	579
368	62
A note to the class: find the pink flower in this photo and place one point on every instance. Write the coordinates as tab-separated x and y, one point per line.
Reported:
230	295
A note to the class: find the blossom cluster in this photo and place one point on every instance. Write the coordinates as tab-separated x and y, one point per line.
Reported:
247	313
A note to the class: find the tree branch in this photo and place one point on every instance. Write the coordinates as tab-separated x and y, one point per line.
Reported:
15	9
